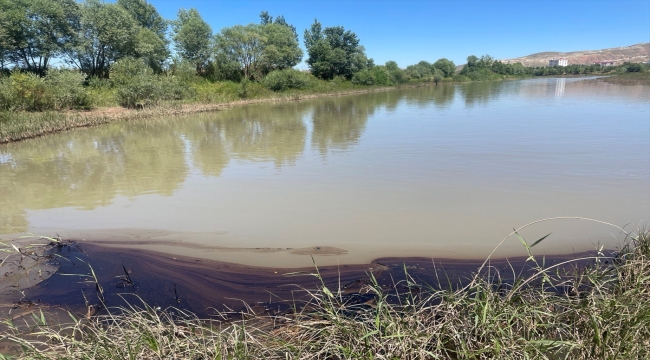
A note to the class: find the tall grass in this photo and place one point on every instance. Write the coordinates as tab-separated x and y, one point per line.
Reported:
596	311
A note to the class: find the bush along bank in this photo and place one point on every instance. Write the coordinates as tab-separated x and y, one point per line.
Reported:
31	105
565	311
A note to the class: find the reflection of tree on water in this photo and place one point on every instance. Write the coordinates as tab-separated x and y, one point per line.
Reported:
208	146
262	132
481	92
86	169
339	123
441	95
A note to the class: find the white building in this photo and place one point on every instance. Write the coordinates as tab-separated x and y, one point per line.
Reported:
558	62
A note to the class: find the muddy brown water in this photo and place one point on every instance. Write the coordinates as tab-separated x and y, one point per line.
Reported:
441	172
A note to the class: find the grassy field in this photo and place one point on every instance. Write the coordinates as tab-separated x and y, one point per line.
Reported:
600	310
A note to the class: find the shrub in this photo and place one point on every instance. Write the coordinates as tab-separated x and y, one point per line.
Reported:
381	75
280	80
98	83
66	89
137	86
399	76
184	72
634	68
363	77
24	91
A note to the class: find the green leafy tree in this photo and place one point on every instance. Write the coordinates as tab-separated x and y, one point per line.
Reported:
146	15
280	20
258	49
107	33
5	41
333	51
151	48
151	43
35	31
391	65
447	67
281	47
192	36
242	45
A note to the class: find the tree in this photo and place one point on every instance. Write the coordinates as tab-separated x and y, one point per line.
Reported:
258	49
241	44
391	65
151	48
147	16
151	42
35	31
192	37
107	33
447	67
268	19
333	51
5	40
281	48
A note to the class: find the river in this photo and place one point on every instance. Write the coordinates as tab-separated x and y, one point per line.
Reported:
441	171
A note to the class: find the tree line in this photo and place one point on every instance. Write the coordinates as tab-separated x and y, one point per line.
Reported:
129	46
92	35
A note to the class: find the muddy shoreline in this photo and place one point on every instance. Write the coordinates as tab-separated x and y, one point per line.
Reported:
210	288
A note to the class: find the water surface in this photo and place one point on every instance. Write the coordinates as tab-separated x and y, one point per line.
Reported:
438	171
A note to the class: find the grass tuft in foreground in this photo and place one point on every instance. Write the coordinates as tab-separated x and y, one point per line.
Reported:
568	311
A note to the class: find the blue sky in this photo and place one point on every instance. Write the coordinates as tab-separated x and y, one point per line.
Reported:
410	31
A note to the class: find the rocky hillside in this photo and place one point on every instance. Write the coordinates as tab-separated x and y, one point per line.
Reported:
633	53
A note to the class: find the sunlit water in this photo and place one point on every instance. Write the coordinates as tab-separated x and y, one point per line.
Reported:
438	171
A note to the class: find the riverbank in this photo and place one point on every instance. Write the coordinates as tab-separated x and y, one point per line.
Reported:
586	307
633	78
22	125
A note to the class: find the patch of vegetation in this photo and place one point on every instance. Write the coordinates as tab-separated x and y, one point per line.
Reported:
598	311
630	78
58	90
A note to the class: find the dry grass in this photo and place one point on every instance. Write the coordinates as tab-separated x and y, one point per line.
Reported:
599	311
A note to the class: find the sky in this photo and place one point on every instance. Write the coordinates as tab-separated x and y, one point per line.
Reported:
408	31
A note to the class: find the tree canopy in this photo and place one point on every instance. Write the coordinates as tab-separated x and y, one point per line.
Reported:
333	51
35	31
107	33
447	67
192	37
258	49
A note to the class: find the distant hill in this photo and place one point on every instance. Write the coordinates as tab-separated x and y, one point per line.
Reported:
633	53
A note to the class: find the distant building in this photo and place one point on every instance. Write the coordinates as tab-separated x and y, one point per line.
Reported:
558	62
606	63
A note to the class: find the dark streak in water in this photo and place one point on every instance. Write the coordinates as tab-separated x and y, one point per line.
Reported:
202	286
